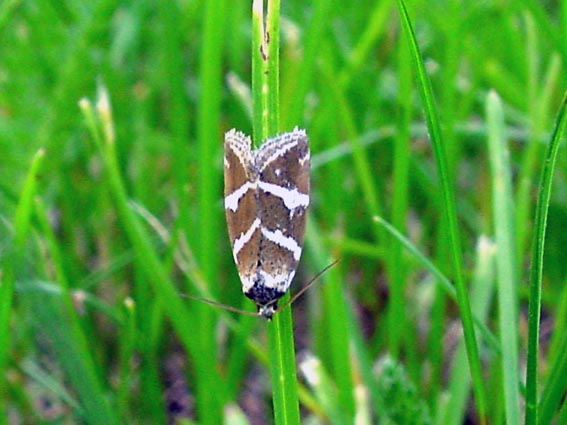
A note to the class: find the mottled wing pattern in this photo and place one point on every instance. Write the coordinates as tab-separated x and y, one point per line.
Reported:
283	167
266	199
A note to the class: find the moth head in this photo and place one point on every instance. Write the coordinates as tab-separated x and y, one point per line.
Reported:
265	290
268	310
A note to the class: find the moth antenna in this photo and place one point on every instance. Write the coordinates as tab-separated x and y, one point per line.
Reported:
220	305
309	284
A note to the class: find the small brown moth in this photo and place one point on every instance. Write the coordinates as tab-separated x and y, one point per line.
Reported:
266	196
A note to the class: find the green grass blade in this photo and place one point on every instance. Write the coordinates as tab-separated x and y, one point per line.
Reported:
336	332
503	212
127	352
6	298
294	99
282	369
442	279
22	225
397	320
210	400
24	211
334	328
562	416
450	213
533	149
536	272
57	317
102	130
265	81
452	412
556	385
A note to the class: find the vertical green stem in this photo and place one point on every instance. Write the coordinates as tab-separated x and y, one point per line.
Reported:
210	396
265	81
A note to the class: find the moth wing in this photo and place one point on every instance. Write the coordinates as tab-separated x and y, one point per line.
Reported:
241	209
283	165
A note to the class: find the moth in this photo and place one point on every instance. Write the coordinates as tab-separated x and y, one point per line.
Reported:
266	197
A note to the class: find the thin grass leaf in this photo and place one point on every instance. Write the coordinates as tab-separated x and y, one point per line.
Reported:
294	98
562	416
336	332
6	299
24	210
365	359
507	278
555	387
441	279
533	149
148	261
452	411
127	351
210	400
397	319
57	318
22	225
335	323
536	271
450	213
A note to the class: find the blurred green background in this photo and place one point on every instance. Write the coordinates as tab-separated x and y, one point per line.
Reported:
95	331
